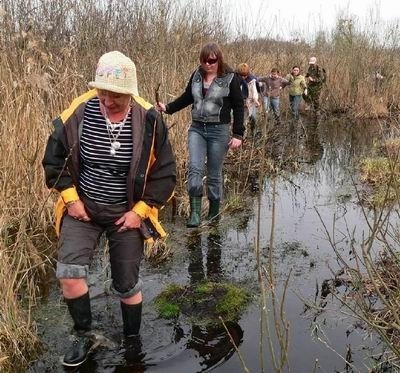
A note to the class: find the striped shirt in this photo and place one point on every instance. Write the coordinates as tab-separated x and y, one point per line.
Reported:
103	175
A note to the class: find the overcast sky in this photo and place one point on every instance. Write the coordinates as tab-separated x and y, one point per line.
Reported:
288	18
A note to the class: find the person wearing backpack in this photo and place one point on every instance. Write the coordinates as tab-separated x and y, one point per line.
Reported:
316	77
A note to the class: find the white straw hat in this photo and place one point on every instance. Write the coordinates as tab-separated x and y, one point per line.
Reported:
116	73
313	61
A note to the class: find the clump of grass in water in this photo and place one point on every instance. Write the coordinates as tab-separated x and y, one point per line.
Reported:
158	251
383	176
375	171
203	301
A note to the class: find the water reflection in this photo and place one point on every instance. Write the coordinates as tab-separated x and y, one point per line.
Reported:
212	343
211	270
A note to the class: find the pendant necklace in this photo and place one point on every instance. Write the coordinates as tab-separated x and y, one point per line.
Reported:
114	144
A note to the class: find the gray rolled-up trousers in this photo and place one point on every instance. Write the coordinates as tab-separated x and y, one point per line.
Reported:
79	239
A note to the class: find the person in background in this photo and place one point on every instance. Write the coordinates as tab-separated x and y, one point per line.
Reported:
271	90
378	79
297	86
214	93
316	77
110	159
250	92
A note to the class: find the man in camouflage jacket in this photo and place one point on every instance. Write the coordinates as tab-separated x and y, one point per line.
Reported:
316	77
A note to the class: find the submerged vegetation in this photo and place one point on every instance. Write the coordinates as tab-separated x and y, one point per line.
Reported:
49	52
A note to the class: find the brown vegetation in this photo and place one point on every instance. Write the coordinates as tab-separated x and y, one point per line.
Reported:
49	52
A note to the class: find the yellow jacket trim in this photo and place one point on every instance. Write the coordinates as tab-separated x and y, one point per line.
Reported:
153	216
89	95
69	194
59	211
75	103
142	209
139	100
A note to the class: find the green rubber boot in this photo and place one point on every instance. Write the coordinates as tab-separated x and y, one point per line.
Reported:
195	212
213	209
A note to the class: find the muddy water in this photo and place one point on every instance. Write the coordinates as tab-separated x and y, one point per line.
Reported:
226	253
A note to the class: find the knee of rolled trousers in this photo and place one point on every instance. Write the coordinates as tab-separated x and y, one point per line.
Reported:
123	293
65	270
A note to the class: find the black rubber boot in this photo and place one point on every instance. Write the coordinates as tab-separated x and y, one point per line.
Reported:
195	212
213	209
79	309
132	318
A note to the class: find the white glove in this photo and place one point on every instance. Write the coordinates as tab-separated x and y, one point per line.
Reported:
305	92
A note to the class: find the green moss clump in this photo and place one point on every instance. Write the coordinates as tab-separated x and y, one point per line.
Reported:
204	288
232	302
167	303
205	301
169	310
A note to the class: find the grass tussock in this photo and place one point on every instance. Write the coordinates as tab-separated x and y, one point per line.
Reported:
382	175
158	251
203	302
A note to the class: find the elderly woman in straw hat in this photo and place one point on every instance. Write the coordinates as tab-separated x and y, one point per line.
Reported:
110	159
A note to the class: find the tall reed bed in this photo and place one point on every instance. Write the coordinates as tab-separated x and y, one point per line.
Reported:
49	53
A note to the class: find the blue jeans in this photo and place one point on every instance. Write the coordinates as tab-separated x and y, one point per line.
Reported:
294	105
207	144
273	103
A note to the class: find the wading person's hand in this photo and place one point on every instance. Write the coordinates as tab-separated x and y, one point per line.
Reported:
76	209
160	107
234	143
130	220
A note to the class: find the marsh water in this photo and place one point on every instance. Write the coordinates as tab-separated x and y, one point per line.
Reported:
321	193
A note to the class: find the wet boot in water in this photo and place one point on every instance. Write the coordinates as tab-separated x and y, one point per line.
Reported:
132	318
195	212
133	349
79	309
213	209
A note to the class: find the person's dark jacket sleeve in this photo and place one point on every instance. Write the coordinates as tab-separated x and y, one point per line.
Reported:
236	98
161	179
185	99
55	159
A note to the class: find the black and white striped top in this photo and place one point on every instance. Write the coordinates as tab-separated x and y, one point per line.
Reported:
103	176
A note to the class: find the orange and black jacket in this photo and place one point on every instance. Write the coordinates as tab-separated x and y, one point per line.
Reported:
152	176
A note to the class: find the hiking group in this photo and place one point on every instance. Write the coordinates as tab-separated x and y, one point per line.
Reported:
267	90
110	160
